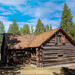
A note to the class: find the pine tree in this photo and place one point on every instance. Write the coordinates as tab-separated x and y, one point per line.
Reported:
72	32
1	28
39	27
10	29
32	30
50	27
25	29
21	30
44	28
14	27
47	27
1	32
66	21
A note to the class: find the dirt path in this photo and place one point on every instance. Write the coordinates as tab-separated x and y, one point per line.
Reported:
33	71
29	70
38	72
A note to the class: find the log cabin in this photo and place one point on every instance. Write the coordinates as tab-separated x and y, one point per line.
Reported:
47	49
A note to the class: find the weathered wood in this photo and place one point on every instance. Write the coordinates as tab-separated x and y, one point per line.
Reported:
58	52
51	50
63	39
55	39
48	54
19	56
37	57
59	48
32	62
63	59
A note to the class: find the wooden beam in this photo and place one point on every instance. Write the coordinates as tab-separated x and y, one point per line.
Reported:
41	46
37	57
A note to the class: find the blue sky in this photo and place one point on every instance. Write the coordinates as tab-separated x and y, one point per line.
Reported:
29	11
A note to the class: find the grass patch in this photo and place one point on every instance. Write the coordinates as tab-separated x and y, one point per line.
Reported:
54	68
34	68
30	67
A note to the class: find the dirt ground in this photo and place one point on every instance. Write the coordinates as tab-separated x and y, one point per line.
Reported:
29	70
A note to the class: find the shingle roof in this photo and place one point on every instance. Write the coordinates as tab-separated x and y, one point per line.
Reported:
18	41
41	38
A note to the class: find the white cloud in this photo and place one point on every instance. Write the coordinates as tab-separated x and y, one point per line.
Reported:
2	9
3	18
39	11
12	2
45	11
71	5
5	22
20	24
6	13
54	23
30	23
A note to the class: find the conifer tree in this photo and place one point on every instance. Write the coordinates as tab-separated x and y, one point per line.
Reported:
50	27
47	27
10	28
14	27
44	28
21	30
39	27
25	29
1	28
66	21
72	32
32	30
1	32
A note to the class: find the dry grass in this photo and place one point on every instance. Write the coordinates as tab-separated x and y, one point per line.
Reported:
30	70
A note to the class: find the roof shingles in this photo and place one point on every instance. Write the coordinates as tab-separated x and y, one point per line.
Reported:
41	38
18	41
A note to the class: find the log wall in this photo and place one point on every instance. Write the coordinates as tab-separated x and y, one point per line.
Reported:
33	57
56	54
36	57
19	56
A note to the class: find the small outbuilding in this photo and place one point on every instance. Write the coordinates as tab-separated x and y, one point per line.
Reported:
47	49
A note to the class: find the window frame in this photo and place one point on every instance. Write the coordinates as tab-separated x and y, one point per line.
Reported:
59	39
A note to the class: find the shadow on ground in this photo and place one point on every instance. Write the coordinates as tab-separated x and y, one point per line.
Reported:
9	70
65	71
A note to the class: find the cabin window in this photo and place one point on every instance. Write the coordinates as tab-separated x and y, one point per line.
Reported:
58	39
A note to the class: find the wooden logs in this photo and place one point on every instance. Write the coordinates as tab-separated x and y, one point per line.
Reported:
37	57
